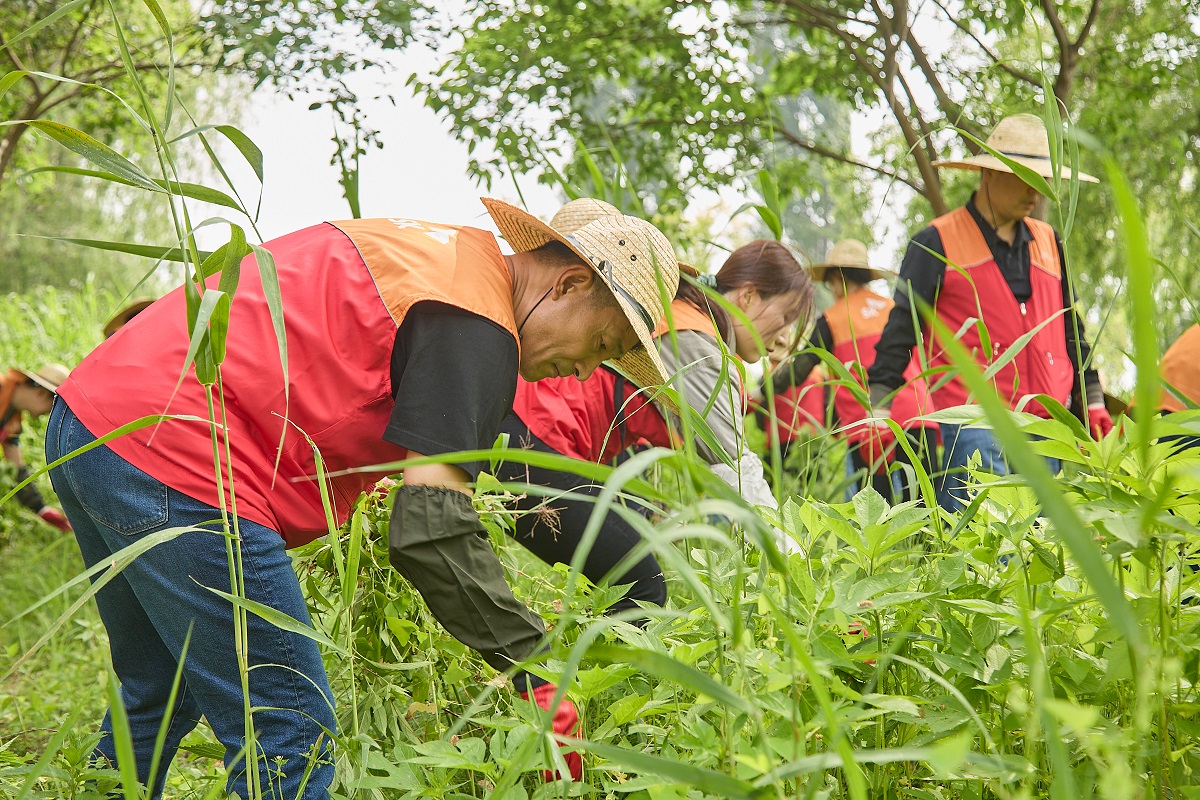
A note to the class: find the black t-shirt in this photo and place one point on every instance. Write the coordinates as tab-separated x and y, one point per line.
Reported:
454	377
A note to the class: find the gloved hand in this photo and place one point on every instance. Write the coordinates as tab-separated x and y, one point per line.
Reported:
1099	421
58	519
565	723
875	440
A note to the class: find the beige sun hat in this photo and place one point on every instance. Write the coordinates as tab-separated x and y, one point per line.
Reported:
49	376
1021	137
629	254
579	212
849	253
127	313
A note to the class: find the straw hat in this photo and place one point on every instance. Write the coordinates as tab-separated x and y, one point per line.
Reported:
629	254
577	213
49	377
1021	137
127	313
850	253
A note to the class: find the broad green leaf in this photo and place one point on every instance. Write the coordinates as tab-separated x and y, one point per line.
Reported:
100	154
667	668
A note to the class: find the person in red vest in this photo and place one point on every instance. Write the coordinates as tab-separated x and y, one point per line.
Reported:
799	410
599	418
1008	271
850	329
25	392
403	339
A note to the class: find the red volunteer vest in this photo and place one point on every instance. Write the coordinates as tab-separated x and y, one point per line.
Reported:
595	419
346	287
976	289
856	323
797	410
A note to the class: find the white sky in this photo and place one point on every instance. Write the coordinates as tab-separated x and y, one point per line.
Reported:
421	172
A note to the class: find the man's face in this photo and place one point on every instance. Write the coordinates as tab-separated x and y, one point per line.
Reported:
1010	197
574	330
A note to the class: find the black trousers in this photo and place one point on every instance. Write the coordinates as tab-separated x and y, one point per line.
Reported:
553	532
924	442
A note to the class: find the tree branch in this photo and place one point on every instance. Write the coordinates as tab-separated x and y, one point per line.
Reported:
69	48
825	152
1086	30
953	111
1019	74
1056	25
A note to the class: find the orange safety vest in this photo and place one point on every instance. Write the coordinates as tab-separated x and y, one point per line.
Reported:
974	288
1180	368
346	288
856	323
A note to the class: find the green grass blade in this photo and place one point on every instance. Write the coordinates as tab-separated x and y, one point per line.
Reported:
667	668
280	620
49	19
100	154
711	782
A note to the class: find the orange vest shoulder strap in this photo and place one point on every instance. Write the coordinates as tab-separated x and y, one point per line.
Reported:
413	261
1043	250
686	317
962	241
1180	368
858	314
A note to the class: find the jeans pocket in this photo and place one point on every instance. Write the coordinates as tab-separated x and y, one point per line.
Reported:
114	493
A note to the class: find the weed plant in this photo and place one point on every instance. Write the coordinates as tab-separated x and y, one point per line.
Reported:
1042	643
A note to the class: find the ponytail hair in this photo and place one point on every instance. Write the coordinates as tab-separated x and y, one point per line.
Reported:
765	264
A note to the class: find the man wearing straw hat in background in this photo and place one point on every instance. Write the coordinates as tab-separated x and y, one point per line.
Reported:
27	392
850	329
404	339
1007	270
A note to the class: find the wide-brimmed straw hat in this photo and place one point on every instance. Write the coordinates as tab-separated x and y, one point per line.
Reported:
629	254
579	212
48	376
849	254
1022	138
127	313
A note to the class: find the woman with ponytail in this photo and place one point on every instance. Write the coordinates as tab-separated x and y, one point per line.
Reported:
596	419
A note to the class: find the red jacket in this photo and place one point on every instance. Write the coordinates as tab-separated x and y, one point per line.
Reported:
596	419
974	288
798	409
346	288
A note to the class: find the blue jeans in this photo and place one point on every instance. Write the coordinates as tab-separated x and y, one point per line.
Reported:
959	443
149	608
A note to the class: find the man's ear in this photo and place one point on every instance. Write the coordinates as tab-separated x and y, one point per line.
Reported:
576	278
